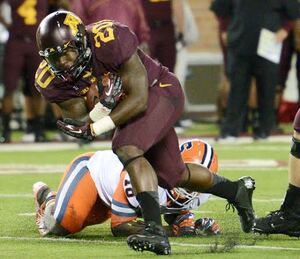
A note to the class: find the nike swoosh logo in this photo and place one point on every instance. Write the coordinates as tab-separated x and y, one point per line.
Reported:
164	85
109	89
71	128
77	131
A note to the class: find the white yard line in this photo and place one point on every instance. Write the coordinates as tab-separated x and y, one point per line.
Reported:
258	164
213	198
27	214
69	240
11	147
31	168
48	146
16	195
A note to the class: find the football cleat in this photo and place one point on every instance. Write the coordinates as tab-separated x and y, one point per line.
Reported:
43	196
206	227
278	222
40	191
154	239
243	202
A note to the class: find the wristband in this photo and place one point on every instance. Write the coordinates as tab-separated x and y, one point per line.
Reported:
101	126
98	112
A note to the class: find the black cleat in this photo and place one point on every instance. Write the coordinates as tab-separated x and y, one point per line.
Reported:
243	202
278	222
154	239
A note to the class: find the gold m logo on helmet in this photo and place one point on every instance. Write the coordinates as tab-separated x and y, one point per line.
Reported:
72	22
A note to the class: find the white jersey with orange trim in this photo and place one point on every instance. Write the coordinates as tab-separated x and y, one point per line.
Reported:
107	171
115	189
102	174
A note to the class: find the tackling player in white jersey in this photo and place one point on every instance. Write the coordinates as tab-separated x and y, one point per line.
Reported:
95	187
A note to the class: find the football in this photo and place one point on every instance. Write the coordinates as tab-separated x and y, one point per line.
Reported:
92	97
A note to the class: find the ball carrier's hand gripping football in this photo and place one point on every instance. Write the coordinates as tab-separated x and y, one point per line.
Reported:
109	91
75	129
84	130
111	88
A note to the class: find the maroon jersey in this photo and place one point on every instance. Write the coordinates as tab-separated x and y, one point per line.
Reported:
158	11
112	44
128	12
26	16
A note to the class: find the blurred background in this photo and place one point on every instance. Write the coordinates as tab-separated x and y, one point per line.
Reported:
184	35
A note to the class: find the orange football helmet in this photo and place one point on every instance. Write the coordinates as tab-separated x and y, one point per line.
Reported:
198	152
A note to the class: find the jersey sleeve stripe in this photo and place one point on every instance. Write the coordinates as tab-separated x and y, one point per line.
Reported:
120	204
67	189
124	214
75	163
122	209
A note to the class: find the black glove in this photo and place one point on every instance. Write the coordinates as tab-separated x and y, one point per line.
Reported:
75	128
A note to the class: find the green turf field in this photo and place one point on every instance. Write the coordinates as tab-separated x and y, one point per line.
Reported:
20	239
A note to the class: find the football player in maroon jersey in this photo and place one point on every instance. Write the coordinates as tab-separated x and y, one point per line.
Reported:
21	60
142	110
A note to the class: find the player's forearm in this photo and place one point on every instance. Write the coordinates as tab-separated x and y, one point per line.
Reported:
128	109
75	109
135	87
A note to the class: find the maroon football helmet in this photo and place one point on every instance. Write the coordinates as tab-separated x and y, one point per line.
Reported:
58	33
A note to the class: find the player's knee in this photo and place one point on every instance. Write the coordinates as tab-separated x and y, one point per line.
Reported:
127	153
196	177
